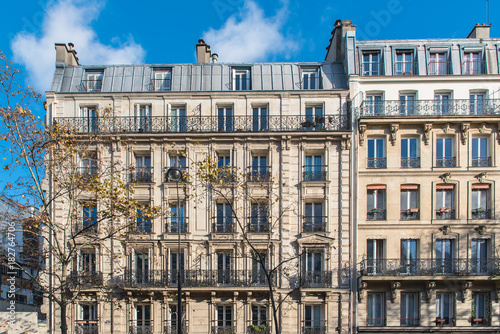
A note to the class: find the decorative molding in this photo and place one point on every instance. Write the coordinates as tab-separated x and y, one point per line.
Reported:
394	293
361	294
481	229
427	133
482	128
346	142
429	290
445	229
445	177
362	130
394	132
465	132
480	177
465	290
446	128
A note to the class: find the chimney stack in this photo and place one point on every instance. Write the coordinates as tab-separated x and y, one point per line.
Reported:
215	57
480	31
66	56
203	53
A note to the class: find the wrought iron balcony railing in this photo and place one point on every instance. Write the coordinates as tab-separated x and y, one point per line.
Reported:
410	322
91	85
473	67
141	327
481	214
173	223
445	214
85	279
314	173
376	214
371	69
413	162
259	225
223	225
481	162
449	107
316	279
446	162
439	67
312	83
314	327
405	68
376	163
378	322
170	327
410	214
228	329
430	267
161	85
193	124
86	327
142	175
260	327
85	225
259	174
314	223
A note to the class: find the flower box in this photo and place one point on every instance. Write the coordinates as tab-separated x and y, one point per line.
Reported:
444	210
375	210
413	210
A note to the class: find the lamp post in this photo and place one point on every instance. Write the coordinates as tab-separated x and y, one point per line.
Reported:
175	174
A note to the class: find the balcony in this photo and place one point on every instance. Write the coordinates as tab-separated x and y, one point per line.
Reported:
396	108
405	68
259	174
316	279
314	327
140	327
410	214
223	330
258	225
83	279
480	322
430	267
481	162
372	68
92	86
413	162
195	278
481	213
378	322
223	225
474	67
196	124
445	214
314	223
311	83
170	327
446	162
85	225
161	85
376	214
87	173
314	173
439	67
142	175
376	163
86	327
263	328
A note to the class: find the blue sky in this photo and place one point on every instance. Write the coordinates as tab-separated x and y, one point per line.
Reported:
130	31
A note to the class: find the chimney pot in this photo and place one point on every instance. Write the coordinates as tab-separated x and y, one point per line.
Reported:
215	57
71	46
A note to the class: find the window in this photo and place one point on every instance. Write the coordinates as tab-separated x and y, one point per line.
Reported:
224	218
88	312
480	263
177	218
409	202
143	219
473	63
375	256
89	117
260	120
88	165
224	168
375	309
477	103
438	64
409	309
481	201
143	172
445	152
260	169
313	319
224	267
444	256
172	316
481	309
144	323
225	119
259	316
89	218
162	79
314	220
407	104
224	319
142	274
259	218
259	262
376	153
87	316
311	78
371	64
143	121
315	119
314	169
176	264
87	262
480	152
178	119
374	105
409	256
242	79
409	153
442	105
93	82
404	63
444	309
445	201
375	202
314	274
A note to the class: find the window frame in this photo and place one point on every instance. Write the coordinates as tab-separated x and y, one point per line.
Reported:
404	63
243	83
405	309
376	161
441	318
478	143
410	160
93	81
309	82
371	304
445	161
312	222
442	61
369	67
162	79
473	66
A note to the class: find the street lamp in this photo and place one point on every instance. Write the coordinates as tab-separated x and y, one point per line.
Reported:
175	174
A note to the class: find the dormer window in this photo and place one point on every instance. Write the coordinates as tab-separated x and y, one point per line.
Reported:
472	63
241	79
162	80
311	78
438	63
405	64
371	64
93	82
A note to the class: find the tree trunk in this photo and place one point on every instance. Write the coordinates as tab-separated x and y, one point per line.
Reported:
64	324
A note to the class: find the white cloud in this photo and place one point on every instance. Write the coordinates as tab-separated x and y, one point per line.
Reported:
69	21
250	36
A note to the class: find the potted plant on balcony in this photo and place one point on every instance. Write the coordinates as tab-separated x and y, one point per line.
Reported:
480	209
375	210
413	210
444	209
255	328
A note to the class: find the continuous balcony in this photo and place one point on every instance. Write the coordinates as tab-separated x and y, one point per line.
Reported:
396	108
195	278
430	267
202	124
